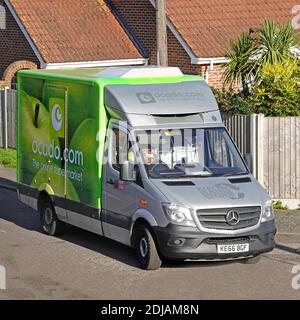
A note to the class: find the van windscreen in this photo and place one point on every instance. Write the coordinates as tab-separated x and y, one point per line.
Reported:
177	153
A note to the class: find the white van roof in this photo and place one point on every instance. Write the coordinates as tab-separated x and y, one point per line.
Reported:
140	72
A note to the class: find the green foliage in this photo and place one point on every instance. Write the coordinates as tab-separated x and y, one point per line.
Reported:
278	205
269	73
250	52
234	103
8	158
278	94
239	67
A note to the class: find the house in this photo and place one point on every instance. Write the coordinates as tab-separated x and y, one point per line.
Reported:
93	33
69	33
199	31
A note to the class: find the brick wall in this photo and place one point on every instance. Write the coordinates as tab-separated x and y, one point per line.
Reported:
140	16
215	79
215	76
13	48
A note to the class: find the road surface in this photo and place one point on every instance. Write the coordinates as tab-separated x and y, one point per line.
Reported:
81	265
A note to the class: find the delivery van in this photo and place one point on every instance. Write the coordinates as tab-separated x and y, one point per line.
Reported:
139	155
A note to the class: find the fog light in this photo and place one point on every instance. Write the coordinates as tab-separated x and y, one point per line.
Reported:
176	242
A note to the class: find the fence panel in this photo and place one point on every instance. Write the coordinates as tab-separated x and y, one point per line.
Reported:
239	128
282	157
8	116
12	118
1	117
274	143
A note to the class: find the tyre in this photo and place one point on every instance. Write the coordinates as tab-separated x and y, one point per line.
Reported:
253	260
146	250
49	221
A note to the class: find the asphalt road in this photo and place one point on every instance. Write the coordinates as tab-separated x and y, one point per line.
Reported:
81	265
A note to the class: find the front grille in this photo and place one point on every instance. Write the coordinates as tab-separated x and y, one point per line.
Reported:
216	218
216	241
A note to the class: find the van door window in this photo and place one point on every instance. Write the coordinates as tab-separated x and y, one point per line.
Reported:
122	150
219	153
120	146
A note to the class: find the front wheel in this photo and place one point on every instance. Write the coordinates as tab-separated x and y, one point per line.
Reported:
146	250
49	221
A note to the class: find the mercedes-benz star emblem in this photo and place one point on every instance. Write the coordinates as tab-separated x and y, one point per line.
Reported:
232	218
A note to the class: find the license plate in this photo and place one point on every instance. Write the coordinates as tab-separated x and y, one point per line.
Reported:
233	248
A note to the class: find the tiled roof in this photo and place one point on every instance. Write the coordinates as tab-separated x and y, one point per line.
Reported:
74	30
208	25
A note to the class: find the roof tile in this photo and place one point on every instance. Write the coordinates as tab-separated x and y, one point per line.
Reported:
75	30
208	26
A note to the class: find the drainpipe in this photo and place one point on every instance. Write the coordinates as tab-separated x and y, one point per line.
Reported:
206	74
209	69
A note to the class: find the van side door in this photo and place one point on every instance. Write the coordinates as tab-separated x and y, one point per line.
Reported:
119	197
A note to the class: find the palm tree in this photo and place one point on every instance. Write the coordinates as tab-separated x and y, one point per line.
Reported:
251	51
239	67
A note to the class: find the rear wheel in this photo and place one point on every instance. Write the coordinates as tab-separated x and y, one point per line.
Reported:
49	221
146	250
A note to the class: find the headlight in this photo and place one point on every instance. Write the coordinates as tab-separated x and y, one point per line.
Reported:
268	214
179	215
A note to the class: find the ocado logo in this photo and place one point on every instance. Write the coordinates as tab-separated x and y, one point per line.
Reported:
57	117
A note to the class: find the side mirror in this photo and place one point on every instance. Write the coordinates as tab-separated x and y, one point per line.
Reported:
249	161
127	172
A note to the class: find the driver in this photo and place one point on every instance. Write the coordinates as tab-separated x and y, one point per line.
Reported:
150	155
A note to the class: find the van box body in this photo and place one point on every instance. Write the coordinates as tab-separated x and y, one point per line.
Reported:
65	150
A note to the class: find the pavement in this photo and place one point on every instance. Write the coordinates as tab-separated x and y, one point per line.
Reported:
81	265
8	178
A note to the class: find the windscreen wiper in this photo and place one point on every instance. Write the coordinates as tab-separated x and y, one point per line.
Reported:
172	174
232	174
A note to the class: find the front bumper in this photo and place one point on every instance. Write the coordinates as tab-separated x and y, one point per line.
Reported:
186	243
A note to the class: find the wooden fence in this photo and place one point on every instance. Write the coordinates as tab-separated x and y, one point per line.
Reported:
8	116
274	144
281	157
